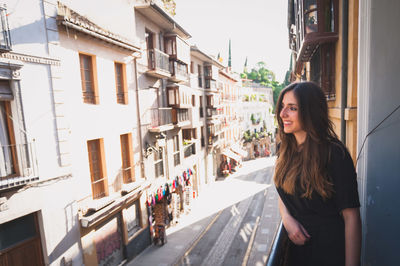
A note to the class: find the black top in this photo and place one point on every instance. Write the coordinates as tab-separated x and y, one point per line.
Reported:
322	218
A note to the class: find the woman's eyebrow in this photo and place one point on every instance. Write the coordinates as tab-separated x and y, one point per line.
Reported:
290	104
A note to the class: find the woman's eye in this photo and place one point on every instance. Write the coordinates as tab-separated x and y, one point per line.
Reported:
292	108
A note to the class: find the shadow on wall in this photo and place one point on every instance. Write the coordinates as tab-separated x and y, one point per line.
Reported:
36	32
71	238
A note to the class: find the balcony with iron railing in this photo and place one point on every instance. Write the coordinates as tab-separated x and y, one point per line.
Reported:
189	150
160	119
18	165
212	112
211	85
179	71
158	64
180	117
213	140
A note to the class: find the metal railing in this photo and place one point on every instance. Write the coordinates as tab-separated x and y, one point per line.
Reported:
18	165
178	69
212	139
189	150
160	116
157	60
211	84
211	112
277	254
180	115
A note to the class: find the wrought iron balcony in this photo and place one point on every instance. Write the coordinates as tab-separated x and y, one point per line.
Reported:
179	72
160	119
18	165
158	64
180	117
189	150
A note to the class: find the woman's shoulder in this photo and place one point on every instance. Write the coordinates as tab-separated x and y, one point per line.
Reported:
339	153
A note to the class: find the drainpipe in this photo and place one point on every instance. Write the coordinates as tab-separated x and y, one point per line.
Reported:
139	121
343	91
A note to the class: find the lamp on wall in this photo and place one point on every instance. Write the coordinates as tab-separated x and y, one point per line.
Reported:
149	150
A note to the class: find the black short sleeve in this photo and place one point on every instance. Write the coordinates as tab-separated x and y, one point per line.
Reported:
344	178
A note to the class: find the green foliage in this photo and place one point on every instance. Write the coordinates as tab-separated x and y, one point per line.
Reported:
246	98
170	6
265	77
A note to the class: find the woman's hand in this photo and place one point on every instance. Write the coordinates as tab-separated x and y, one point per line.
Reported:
296	232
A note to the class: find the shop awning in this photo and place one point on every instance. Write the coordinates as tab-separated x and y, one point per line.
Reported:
231	154
238	150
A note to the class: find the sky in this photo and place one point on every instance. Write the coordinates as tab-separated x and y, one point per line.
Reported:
257	29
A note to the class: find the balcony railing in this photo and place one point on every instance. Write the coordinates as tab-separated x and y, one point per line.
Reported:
212	112
180	115
18	165
179	71
160	117
158	60
212	140
189	150
211	84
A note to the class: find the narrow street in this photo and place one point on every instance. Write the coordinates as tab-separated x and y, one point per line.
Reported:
232	223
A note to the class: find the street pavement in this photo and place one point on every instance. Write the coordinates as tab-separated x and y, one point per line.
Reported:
232	222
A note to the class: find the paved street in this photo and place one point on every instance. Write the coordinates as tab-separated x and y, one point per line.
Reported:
233	222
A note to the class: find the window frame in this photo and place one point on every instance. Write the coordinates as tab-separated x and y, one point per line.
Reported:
11	140
127	159
121	83
101	168
176	150
159	160
93	78
325	69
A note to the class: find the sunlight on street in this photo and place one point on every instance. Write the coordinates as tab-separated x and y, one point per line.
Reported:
225	193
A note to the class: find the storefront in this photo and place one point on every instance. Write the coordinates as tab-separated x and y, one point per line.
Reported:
166	203
117	232
20	242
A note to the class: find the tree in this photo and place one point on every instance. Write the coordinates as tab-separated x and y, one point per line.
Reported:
265	77
170	6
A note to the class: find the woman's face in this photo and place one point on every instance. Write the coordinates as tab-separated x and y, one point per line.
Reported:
290	117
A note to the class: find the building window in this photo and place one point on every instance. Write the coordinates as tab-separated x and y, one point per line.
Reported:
177	156
120	83
158	163
191	67
200	76
202	137
97	168
322	69
132	219
5	40
201	107
89	78
8	155
127	158
193	100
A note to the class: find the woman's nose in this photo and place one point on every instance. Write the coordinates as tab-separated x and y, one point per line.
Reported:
283	112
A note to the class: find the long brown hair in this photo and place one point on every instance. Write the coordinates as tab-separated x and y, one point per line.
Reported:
308	163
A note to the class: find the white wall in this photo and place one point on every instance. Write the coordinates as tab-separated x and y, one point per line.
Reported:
108	119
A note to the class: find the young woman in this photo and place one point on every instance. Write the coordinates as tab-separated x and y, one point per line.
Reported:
316	182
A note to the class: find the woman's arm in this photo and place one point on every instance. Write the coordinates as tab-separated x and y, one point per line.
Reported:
296	232
352	224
